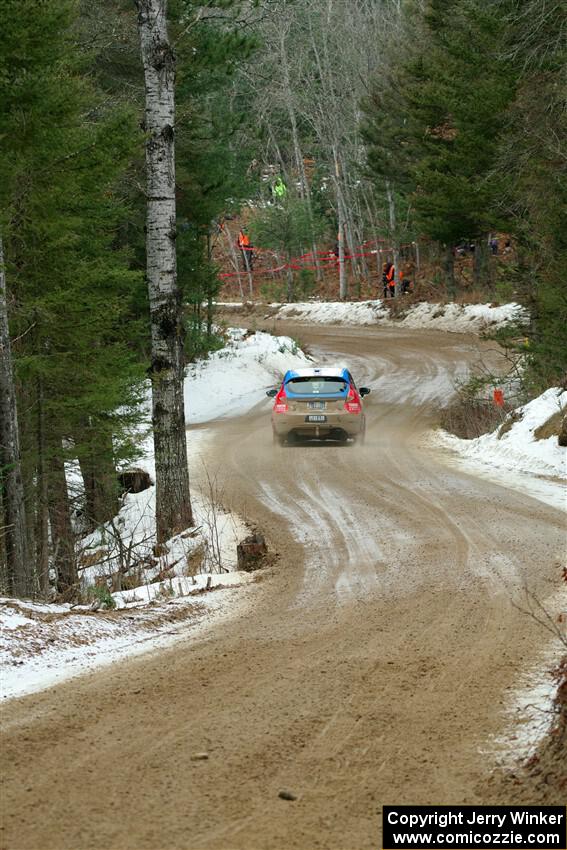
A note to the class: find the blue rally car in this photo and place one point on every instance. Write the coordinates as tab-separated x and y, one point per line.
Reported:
318	403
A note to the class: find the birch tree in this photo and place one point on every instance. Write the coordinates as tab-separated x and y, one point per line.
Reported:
20	573
173	503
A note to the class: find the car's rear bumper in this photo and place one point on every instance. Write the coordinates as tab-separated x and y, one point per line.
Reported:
351	424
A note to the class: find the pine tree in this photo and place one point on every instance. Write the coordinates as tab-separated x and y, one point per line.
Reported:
18	567
287	228
436	125
62	152
532	159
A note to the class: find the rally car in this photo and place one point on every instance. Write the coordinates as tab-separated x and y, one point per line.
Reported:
318	403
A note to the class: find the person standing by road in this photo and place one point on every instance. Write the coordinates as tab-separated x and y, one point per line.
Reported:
246	249
279	190
389	279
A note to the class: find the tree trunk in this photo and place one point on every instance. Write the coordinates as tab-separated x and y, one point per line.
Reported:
417	257
289	278
62	537
210	293
234	257
4	578
173	503
343	288
96	459
481	262
341	233
248	263
449	270
19	567
42	519
300	165
394	235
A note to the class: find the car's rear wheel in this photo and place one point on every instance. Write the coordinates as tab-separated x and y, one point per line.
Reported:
277	439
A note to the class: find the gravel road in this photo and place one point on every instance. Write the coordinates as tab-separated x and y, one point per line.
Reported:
372	666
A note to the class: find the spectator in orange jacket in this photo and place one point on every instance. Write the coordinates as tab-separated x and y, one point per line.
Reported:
389	279
246	249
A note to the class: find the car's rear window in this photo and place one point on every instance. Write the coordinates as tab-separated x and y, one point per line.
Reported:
316	386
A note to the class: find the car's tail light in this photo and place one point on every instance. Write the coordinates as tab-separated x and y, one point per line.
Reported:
280	401
353	403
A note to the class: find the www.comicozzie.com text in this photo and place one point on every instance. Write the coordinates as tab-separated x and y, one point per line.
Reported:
444	819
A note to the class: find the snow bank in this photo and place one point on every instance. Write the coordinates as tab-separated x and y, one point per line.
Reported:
517	453
334	313
40	648
463	318
518	448
530	708
131	537
232	381
457	318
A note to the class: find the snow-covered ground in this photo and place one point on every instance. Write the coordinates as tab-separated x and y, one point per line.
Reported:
456	318
41	646
463	318
167	593
231	381
529	709
514	456
333	312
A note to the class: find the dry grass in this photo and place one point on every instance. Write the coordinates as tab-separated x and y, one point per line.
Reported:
551	428
476	296
398	307
468	418
194	562
506	426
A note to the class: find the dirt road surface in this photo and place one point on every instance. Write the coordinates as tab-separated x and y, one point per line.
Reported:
372	666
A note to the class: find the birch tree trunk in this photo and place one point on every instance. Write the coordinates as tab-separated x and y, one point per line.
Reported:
341	234
20	572
173	503
394	235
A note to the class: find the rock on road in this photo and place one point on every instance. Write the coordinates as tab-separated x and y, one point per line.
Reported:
371	666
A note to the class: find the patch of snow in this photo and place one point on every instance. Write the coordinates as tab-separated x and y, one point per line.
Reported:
233	380
132	535
456	318
177	587
529	710
40	653
334	312
11	618
463	318
516	457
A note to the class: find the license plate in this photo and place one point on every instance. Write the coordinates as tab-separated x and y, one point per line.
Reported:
315	418
317	405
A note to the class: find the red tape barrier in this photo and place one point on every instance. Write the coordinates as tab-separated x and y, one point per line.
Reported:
327	258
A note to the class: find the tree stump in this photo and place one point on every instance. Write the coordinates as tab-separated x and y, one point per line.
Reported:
134	480
251	552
